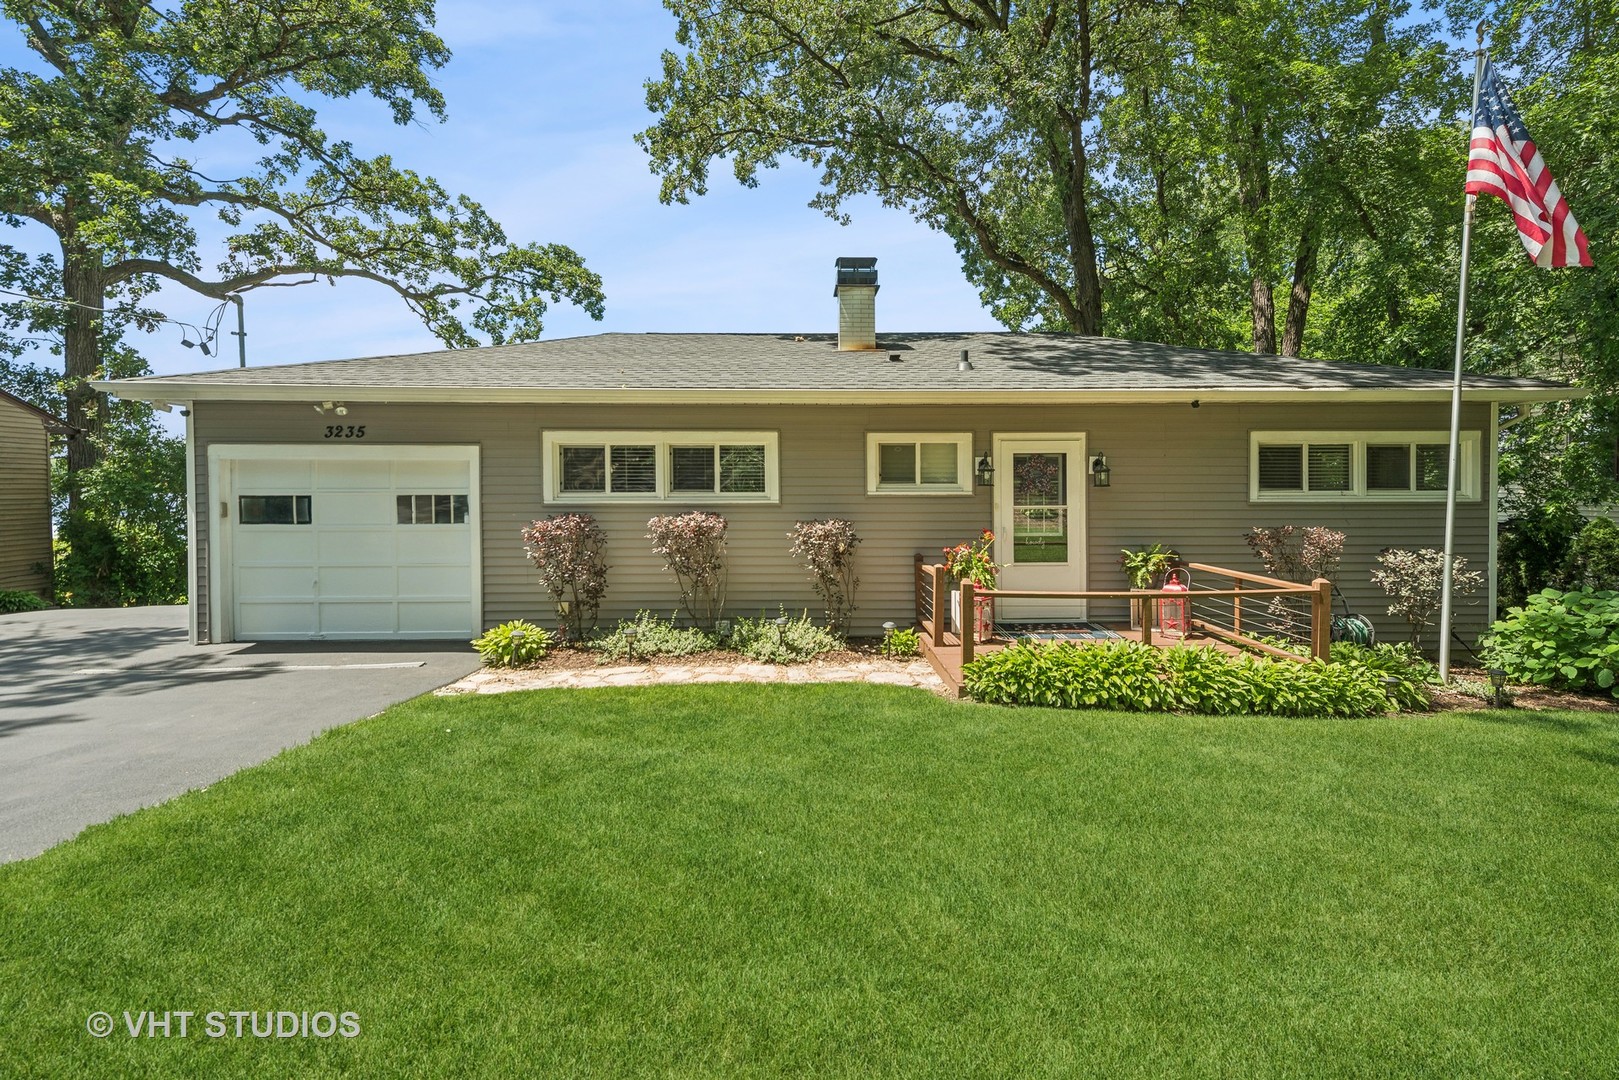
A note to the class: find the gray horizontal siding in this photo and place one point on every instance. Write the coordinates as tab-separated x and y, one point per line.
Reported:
25	501
1180	477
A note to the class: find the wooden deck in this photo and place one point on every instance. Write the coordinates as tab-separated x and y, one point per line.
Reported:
1214	616
946	658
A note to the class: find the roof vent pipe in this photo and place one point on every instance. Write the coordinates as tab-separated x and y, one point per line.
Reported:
856	290
964	364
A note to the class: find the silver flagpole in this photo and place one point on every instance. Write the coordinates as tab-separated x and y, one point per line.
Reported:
1456	395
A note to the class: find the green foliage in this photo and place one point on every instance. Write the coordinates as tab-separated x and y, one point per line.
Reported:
1593	558
902	641
1563	639
124	543
792	642
654	637
105	128
512	644
1393	660
1129	676
15	600
1532	552
1144	569
968	122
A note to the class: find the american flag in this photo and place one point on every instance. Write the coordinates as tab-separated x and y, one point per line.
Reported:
1504	162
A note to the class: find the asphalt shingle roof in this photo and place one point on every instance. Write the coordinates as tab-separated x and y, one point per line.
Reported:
763	362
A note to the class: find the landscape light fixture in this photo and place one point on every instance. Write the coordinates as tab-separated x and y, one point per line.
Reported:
888	638
1101	475
1498	687
781	629
629	640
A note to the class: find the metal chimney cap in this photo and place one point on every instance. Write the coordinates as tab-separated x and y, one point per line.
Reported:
856	271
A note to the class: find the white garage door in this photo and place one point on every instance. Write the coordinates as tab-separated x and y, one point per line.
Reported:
360	543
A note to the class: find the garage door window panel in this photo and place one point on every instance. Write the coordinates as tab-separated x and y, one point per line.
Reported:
274	509
432	509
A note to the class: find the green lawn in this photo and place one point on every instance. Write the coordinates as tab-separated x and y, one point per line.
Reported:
850	881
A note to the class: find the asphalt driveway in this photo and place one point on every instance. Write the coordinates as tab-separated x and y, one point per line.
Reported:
105	711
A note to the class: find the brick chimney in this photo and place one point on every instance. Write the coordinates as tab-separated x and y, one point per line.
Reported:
856	291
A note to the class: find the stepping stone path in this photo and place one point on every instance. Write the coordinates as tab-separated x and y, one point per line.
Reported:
915	673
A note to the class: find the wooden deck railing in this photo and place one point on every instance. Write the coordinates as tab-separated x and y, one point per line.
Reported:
933	588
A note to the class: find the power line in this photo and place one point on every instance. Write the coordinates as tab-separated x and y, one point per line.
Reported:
209	332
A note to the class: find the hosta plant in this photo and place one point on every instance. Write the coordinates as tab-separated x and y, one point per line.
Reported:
513	644
1563	639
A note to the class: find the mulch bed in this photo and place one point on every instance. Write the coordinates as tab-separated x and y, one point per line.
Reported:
1523	697
570	658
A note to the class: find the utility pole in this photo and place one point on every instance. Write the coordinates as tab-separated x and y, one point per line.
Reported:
241	330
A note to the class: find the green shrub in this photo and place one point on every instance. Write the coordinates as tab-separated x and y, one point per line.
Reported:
1593	560
654	637
1562	639
792	642
1391	660
902	641
1129	676
13	600
1533	553
513	644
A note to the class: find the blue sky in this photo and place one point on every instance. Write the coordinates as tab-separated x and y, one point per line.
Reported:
544	101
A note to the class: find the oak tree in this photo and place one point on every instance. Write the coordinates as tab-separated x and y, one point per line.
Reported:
101	142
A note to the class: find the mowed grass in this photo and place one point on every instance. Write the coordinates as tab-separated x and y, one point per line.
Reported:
850	881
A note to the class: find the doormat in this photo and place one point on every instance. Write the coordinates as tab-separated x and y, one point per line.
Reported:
1055	631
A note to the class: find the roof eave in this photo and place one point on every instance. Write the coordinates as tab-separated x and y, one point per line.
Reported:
179	391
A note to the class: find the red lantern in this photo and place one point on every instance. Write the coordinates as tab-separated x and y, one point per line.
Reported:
1173	611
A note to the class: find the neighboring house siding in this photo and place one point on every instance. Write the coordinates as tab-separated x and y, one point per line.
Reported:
1180	476
25	501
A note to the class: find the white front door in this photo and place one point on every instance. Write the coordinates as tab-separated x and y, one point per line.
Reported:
357	543
1040	522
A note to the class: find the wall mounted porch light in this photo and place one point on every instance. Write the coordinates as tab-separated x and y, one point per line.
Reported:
984	468
1101	475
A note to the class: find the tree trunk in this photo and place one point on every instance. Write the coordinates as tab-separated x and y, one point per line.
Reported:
81	341
1262	307
1087	316
1298	300
1253	179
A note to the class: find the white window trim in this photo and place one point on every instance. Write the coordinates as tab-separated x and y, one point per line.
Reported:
552	442
1467	475
964	462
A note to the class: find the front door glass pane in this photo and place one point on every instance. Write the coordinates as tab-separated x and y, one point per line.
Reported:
1039	508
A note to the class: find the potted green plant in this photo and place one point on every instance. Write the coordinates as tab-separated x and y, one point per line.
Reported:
972	562
1145	570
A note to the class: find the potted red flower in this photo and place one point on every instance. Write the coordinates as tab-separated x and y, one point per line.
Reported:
972	562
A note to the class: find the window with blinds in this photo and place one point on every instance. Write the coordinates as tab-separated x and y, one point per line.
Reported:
657	466
1371	465
913	463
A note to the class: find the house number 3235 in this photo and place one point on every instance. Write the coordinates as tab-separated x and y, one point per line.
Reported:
345	431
